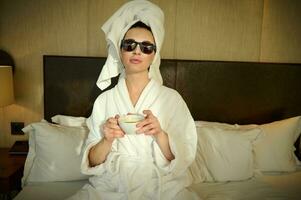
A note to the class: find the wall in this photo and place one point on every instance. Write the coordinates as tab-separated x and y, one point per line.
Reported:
245	30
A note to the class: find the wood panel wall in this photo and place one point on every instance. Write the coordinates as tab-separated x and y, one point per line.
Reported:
244	30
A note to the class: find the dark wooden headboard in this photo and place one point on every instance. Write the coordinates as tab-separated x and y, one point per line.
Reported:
232	92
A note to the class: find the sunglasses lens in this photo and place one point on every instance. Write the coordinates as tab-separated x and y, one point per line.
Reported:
147	48
130	45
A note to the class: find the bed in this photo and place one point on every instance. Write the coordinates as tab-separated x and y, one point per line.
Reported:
251	109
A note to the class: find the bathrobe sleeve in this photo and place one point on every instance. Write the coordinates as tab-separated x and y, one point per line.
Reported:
94	123
181	131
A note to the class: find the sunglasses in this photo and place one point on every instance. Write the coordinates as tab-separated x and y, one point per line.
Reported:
145	47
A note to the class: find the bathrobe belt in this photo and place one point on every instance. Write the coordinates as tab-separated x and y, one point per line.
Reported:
113	163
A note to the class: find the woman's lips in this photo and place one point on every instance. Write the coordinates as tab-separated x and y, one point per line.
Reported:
135	61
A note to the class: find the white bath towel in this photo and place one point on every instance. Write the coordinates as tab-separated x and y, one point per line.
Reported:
116	27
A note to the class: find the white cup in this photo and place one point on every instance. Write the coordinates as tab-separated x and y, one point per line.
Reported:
128	122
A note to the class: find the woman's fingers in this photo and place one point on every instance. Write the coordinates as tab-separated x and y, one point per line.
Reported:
144	122
113	122
149	117
148	114
111	128
150	130
150	125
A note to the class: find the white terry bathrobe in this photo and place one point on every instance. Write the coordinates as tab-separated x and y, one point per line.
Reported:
136	169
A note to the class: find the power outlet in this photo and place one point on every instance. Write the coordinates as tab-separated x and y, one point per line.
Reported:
16	128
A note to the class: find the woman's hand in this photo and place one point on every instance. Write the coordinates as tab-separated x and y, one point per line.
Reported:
111	129
99	152
150	125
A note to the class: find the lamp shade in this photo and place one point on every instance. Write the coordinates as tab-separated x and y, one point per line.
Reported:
6	86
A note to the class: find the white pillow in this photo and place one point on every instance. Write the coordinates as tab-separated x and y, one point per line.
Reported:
224	154
69	120
54	152
215	124
225	125
300	149
275	152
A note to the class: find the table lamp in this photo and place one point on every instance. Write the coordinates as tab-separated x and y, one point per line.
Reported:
6	85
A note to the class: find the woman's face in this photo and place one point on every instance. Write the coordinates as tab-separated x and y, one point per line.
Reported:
136	61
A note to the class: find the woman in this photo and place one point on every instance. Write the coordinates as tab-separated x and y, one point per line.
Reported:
153	163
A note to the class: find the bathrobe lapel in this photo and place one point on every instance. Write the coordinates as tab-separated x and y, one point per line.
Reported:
145	101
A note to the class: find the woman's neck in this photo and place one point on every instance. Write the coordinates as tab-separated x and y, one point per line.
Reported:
136	81
135	84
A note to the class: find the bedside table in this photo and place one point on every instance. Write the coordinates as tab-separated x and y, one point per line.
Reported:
11	172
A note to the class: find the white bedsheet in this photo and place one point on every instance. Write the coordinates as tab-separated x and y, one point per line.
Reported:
50	190
267	187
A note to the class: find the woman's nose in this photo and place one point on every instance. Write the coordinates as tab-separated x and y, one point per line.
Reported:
137	50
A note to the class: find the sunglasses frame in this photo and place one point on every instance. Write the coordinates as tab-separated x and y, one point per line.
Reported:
142	46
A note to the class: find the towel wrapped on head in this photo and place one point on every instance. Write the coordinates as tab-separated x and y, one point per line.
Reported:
116	27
